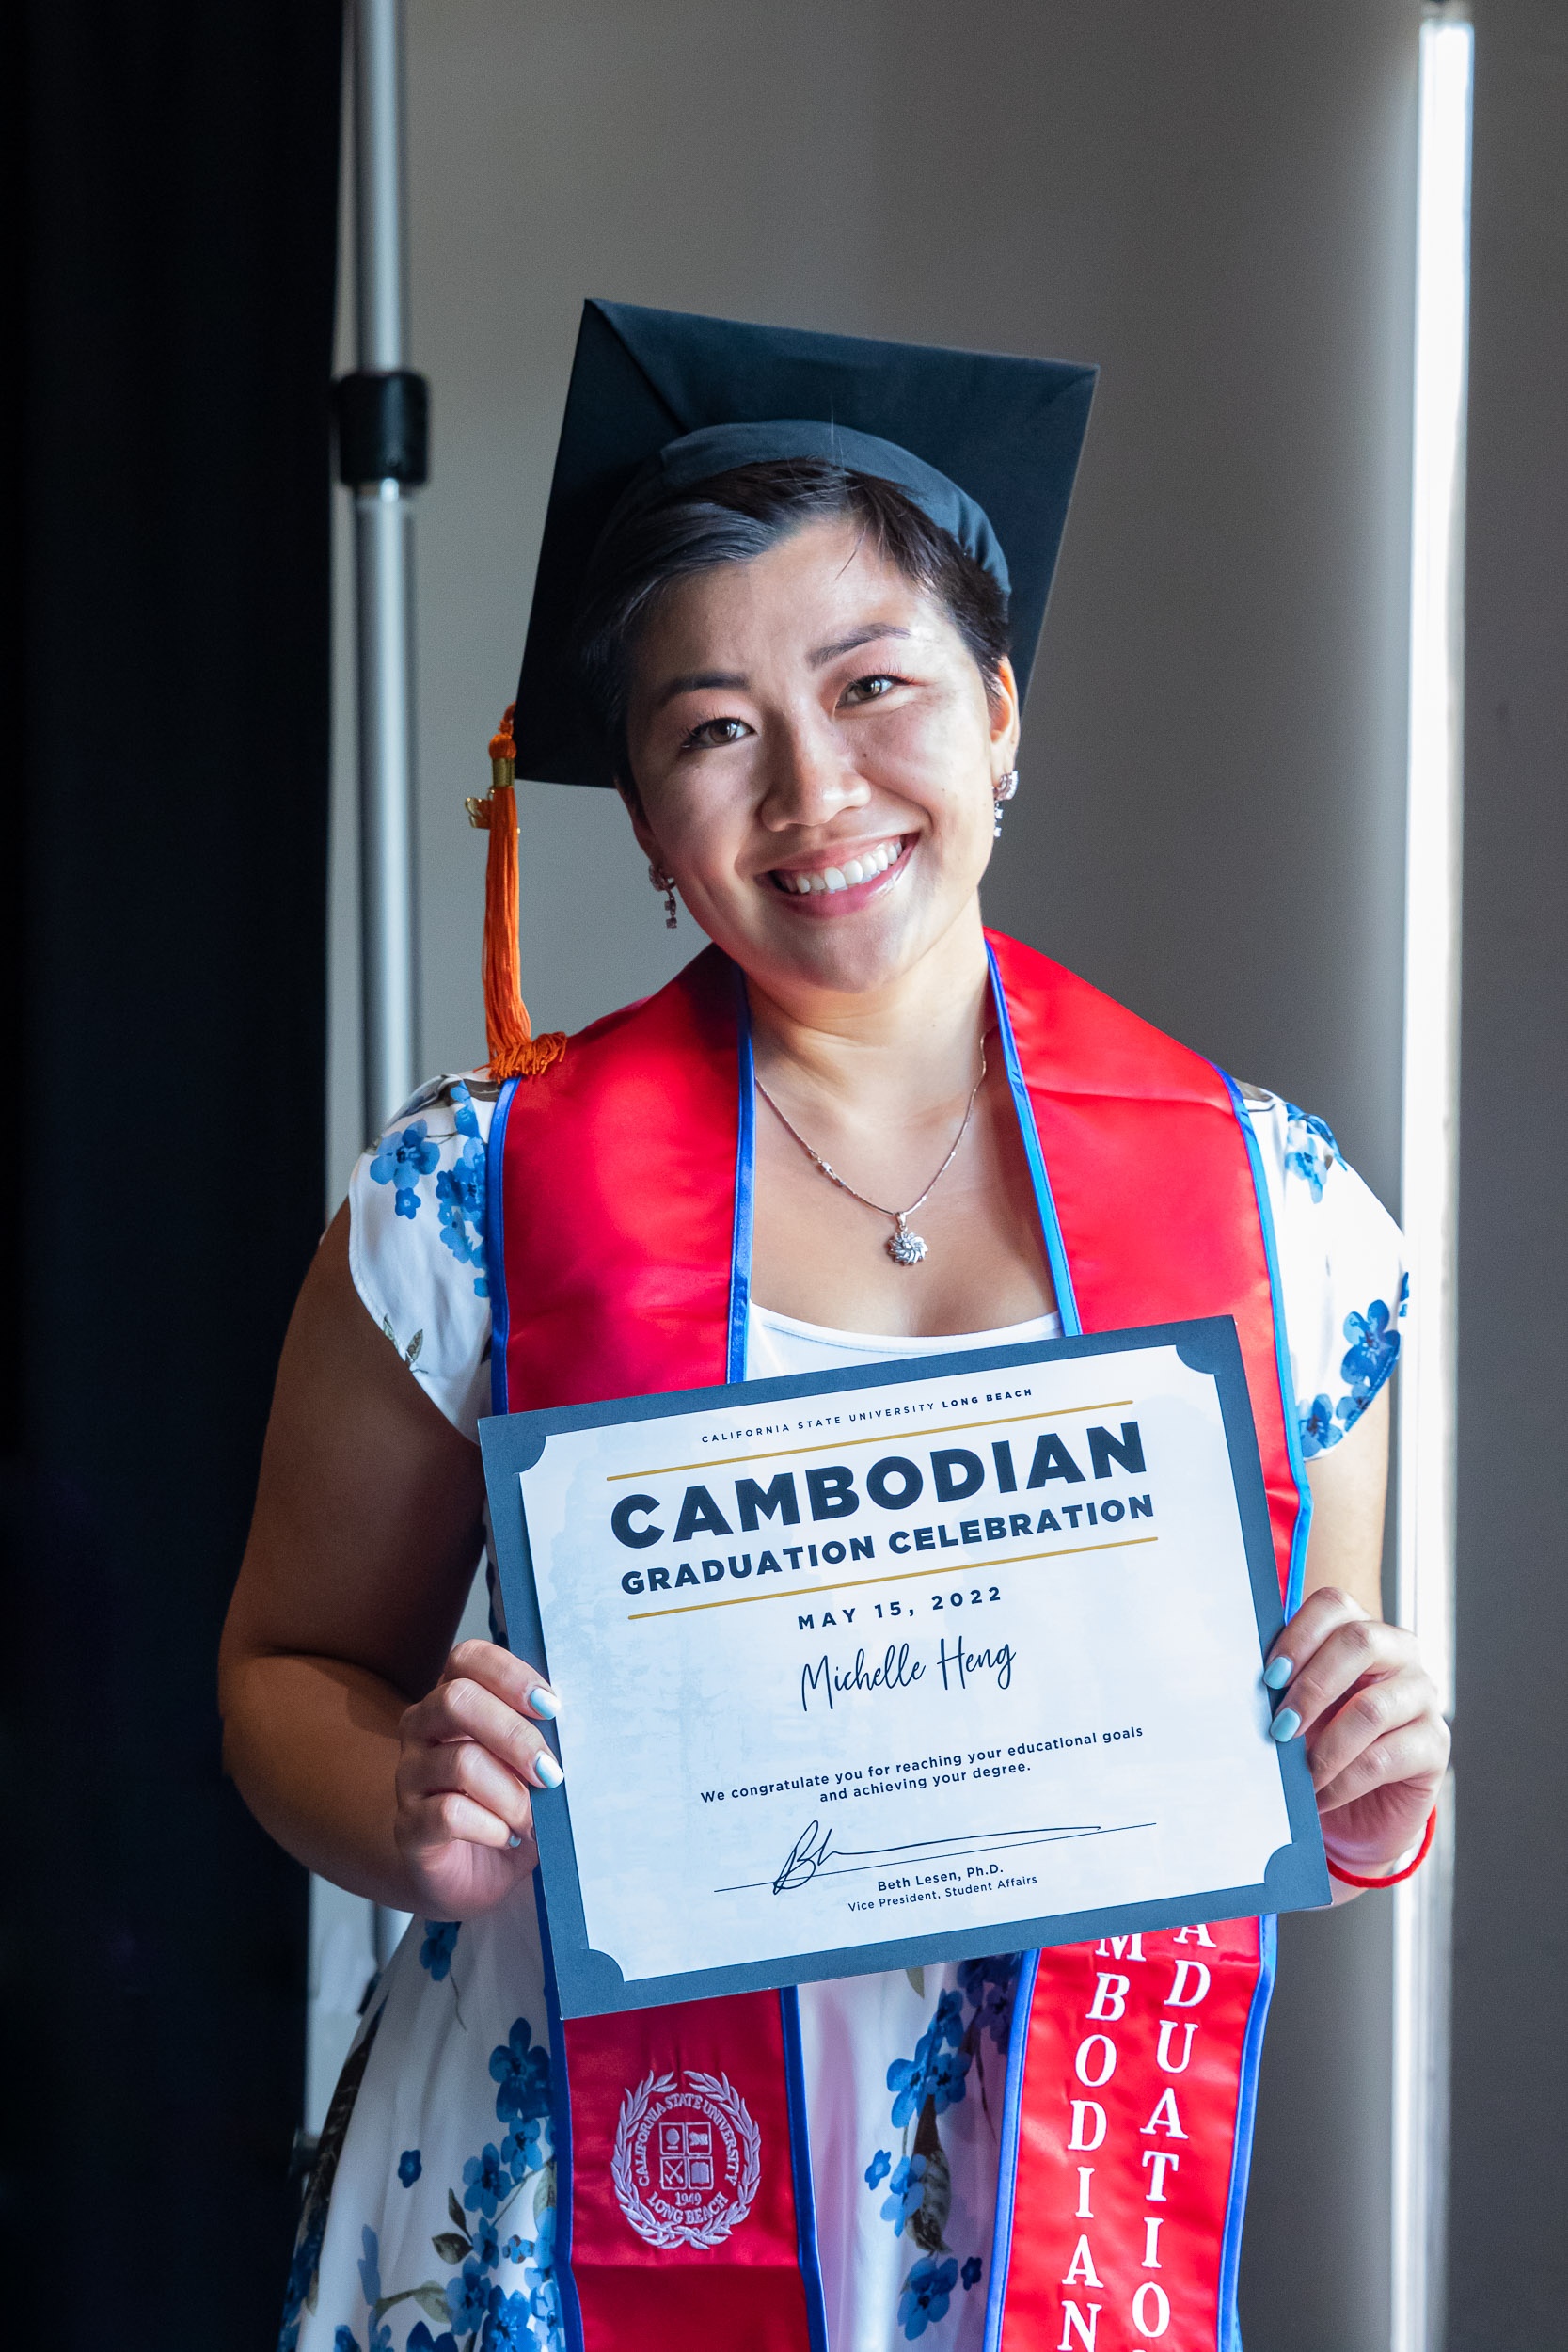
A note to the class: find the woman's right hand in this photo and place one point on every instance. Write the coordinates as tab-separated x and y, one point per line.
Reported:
470	1758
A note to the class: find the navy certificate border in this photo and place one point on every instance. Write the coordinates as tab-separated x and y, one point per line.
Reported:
589	1983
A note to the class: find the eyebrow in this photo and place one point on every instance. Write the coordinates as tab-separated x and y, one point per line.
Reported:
735	682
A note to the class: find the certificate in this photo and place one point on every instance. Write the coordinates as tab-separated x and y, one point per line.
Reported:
861	1670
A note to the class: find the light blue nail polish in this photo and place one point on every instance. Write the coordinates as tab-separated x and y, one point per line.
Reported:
543	1702
515	1839
1284	1725
1277	1673
548	1769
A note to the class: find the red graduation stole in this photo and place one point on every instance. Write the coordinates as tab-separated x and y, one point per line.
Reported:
620	1212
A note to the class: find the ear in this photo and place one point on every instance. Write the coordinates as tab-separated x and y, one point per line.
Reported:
1006	718
647	840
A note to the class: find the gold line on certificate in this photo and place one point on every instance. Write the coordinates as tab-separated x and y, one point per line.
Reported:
836	1445
906	1575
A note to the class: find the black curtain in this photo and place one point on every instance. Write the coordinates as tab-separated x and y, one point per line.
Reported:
171	174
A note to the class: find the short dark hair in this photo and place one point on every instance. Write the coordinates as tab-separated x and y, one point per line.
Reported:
735	517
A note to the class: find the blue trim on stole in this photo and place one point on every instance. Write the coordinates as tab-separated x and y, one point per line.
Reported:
735	1369
799	2158
495	1246
745	1187
1228	2333
1007	2162
561	2136
1056	1248
1282	1351
1023	1997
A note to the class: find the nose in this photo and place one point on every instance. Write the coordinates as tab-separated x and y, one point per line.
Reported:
809	777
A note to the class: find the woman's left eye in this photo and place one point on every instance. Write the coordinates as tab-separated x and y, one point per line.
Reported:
870	689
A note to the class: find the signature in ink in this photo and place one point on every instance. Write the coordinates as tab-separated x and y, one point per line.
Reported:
805	1858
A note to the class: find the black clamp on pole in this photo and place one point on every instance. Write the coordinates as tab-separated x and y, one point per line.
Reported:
383	420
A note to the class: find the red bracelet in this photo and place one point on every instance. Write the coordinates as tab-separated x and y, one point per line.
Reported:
1348	1878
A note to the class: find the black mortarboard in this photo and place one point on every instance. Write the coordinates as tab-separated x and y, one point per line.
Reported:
988	447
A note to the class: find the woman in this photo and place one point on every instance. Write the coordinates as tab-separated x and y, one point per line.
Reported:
793	649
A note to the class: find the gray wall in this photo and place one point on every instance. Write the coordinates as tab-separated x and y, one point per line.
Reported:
1216	205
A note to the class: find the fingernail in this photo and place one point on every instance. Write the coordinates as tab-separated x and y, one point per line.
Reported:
548	1769
1285	1726
1277	1673
515	1839
544	1701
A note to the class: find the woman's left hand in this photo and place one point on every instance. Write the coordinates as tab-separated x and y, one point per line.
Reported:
1369	1714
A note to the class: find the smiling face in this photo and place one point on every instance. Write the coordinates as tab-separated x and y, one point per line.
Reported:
815	750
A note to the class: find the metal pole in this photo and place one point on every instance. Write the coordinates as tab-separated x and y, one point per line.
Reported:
382	423
383	532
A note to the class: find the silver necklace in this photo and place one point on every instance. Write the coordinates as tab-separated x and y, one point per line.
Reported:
902	1246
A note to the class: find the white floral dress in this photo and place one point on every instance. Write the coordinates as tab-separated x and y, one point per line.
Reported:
429	2222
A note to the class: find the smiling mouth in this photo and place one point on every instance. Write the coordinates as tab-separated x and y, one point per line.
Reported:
827	880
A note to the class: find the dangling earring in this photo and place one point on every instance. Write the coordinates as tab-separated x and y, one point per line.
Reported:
1002	792
667	883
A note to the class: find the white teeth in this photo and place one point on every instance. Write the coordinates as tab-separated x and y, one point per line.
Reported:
854	869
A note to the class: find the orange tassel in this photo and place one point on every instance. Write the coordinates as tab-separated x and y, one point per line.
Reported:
514	1050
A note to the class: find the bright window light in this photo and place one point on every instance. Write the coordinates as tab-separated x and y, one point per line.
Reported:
1429	1183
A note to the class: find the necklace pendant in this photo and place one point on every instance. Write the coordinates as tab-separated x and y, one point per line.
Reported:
904	1247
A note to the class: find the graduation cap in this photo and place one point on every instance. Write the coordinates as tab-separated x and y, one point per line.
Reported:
986	445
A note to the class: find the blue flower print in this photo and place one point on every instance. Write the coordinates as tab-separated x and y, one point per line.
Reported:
908	2193
409	2167
879	2169
506	2327
971	2272
401	1160
380	2337
469	2299
459	1193
421	2339
1404	1296
1311	1150
487	2243
521	2151
462	1102
926	2292
345	2341
989	1985
1317	1430
1371	1356
523	2073
513	2249
440	1941
939	2066
485	2181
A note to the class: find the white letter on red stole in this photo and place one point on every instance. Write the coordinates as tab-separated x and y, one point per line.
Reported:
1202	1934
1080	2270
1086	2175
1110	1998
1081	2108
1164	2109
1082	2062
1072	2320
1163	2160
1154	2224
1157	2325
1163	2058
1179	1996
1124	1946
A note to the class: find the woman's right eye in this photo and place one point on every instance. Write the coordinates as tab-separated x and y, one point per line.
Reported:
714	733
